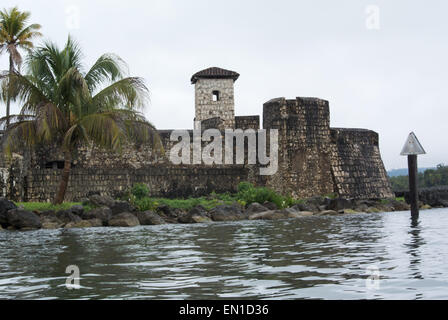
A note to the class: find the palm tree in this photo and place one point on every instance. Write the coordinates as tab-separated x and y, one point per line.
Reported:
65	106
15	34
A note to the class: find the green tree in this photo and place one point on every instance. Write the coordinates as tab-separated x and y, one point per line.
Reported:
66	107
15	34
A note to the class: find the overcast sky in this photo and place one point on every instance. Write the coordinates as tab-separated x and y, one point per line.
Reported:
382	70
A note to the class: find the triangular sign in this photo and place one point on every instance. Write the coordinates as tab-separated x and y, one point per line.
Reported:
412	146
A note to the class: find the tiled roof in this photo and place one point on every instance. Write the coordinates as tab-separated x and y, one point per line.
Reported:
215	73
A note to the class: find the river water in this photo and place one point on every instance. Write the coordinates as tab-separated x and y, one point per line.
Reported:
365	256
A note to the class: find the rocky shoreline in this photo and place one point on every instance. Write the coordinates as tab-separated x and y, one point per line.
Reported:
108	212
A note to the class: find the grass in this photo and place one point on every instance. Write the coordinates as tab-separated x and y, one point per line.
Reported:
41	207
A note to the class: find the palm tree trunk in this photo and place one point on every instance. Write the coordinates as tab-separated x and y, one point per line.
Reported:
8	99
59	199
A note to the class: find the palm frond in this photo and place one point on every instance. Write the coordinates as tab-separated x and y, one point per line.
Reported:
19	135
130	93
108	67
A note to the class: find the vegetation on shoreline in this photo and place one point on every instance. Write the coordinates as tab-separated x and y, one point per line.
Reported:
139	197
430	178
246	195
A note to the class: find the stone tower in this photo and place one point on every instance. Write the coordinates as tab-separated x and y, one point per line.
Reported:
214	91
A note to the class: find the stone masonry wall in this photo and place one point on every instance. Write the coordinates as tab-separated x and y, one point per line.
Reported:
173	182
247	122
206	108
356	164
304	139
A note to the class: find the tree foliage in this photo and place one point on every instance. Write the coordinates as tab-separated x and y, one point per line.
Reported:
64	105
430	178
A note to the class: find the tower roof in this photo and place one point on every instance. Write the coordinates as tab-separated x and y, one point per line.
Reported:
215	73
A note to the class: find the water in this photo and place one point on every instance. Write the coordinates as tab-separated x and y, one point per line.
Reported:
310	258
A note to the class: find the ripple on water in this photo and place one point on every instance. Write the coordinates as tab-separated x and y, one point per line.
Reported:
311	258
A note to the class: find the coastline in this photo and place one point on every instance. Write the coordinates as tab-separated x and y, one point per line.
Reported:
103	211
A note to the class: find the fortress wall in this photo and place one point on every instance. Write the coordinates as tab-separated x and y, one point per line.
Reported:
304	139
357	166
247	122
173	182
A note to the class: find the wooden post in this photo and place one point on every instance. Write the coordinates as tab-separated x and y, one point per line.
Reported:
413	185
412	148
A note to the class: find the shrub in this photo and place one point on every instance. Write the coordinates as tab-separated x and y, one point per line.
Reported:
249	194
140	191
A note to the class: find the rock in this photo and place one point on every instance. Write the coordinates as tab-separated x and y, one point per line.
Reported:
318	201
103	214
48	225
149	218
400	205
227	213
125	219
426	207
340	204
361	208
19	219
289	213
77	210
101	201
270	206
306	213
196	215
66	216
350	211
328	213
373	210
83	224
50	221
121	207
256	208
5	206
307	207
1	229
268	215
170	215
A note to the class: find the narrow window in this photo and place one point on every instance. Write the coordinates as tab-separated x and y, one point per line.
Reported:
215	96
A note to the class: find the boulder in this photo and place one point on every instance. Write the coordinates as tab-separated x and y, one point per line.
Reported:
50	221
170	215
121	207
21	219
269	215
125	219
400	205
101	201
66	216
103	214
328	213
255	208
84	224
228	213
5	206
77	210
306	213
149	218
270	205
307	207
340	204
289	213
196	215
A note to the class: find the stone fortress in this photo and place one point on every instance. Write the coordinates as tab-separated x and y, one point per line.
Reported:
314	159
